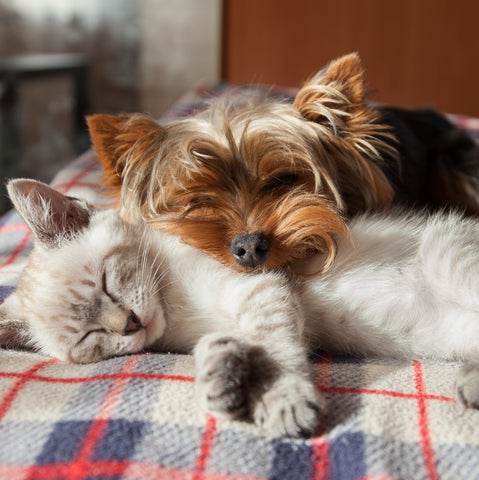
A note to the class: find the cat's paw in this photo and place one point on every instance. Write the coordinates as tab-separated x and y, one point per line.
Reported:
222	372
291	407
467	385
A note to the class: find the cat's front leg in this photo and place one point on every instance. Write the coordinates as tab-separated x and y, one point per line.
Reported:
467	384
259	369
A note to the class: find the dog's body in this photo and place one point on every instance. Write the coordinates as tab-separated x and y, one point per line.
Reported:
265	184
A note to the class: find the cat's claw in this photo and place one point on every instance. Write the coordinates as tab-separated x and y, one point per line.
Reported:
467	385
291	407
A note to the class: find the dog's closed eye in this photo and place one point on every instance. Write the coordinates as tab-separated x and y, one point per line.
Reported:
200	201
281	181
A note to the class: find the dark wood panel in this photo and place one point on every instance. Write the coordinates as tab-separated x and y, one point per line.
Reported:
415	52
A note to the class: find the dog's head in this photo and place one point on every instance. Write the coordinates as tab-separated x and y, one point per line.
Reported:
254	183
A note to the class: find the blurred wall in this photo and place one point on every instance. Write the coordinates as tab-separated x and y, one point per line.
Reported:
107	32
180	46
143	56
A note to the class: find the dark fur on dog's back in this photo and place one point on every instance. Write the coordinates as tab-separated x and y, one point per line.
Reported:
439	162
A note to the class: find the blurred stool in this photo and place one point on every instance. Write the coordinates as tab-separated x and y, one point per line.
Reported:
20	67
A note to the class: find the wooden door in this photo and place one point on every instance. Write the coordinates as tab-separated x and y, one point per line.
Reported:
415	52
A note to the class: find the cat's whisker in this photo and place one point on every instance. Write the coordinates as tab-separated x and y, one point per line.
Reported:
144	255
159	285
145	249
155	279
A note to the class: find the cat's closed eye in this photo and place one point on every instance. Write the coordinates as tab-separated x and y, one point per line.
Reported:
90	333
106	291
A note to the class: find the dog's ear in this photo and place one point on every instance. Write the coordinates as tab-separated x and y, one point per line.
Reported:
334	99
121	141
334	94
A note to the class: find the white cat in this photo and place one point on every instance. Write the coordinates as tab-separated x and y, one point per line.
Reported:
96	286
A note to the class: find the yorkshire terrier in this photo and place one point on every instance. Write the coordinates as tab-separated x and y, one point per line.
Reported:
263	184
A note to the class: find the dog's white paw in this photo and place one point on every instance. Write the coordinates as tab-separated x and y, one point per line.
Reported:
291	407
467	385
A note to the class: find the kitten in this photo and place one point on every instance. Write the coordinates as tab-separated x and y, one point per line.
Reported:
96	286
87	283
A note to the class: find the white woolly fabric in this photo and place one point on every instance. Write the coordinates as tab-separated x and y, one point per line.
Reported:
136	416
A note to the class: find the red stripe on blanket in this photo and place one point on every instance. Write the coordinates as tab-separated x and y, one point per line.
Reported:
319	444
24	377
205	449
75	180
94	378
321	458
97	429
115	468
423	422
323	371
89	185
389	393
11	272
17	251
16	227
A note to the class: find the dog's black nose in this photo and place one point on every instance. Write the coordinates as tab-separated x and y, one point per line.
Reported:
250	249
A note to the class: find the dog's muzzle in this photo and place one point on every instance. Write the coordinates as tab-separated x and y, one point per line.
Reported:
250	249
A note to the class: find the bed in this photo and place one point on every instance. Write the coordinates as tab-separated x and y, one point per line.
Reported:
136	417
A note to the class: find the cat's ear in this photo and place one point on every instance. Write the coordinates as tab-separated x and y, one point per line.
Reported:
52	216
14	330
334	94
122	141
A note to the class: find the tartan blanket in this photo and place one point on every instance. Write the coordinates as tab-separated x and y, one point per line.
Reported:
135	417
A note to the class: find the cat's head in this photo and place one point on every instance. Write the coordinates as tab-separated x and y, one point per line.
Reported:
91	287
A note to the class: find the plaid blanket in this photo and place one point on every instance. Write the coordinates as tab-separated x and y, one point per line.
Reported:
135	417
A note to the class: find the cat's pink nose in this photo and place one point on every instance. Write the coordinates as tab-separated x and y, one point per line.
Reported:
133	324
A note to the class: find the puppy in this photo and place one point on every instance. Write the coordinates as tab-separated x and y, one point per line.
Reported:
263	184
